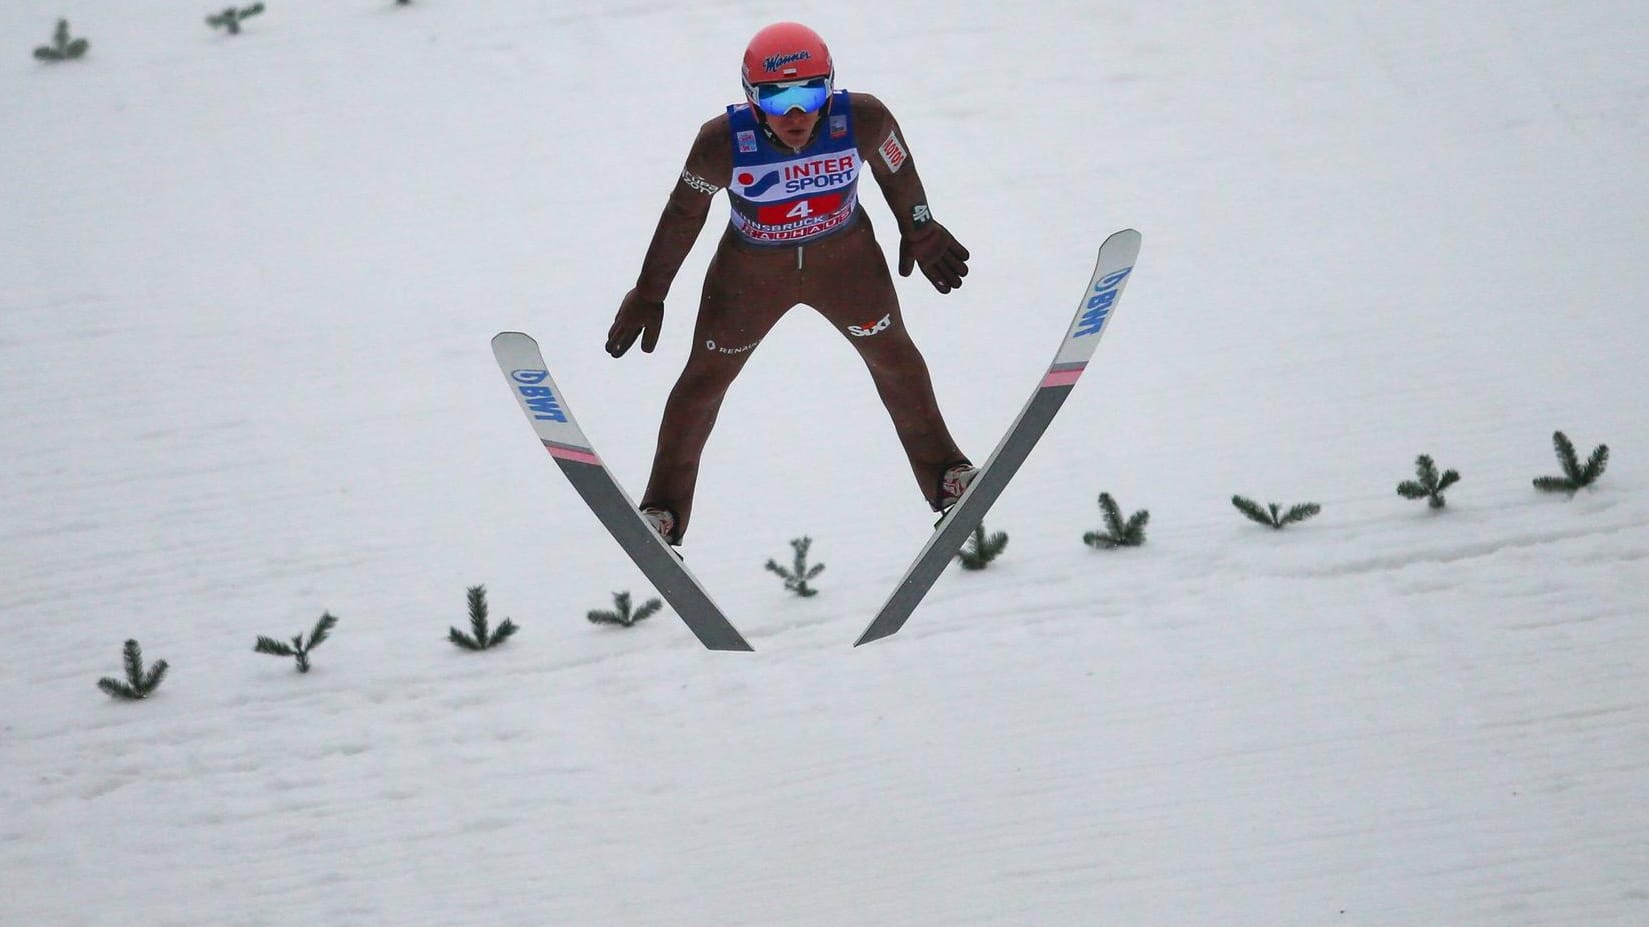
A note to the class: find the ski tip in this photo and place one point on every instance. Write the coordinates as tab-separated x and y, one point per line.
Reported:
1131	237
511	336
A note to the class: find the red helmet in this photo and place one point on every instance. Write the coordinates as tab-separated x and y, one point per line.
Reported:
783	53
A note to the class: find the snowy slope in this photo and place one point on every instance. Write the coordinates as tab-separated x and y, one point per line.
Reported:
244	378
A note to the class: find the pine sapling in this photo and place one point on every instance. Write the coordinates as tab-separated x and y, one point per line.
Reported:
140	683
62	48
980	550
299	647
795	578
1428	484
1575	476
1275	517
1117	533
621	613
231	17
480	638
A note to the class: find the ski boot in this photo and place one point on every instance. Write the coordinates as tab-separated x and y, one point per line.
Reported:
663	520
952	483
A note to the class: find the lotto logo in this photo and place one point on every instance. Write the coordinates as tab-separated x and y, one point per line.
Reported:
893	152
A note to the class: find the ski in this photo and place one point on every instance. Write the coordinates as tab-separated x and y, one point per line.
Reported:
552	420
1116	262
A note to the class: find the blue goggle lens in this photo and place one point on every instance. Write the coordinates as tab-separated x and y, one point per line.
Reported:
809	96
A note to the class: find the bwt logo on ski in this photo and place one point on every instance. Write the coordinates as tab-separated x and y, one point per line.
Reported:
540	399
1099	304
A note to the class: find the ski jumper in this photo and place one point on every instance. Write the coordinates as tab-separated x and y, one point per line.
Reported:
784	203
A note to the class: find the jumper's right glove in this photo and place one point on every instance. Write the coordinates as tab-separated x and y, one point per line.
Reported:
942	258
636	317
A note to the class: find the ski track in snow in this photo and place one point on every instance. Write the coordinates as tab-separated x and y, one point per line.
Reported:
244	379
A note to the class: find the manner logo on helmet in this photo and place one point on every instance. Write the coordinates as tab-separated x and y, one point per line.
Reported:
774	62
754	187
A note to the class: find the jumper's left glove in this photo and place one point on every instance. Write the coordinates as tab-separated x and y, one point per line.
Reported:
942	258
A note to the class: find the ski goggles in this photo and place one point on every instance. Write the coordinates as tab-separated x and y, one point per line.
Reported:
809	96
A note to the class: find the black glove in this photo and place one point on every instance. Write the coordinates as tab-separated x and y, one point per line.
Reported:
637	317
942	258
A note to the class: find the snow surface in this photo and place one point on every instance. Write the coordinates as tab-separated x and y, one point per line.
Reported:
248	289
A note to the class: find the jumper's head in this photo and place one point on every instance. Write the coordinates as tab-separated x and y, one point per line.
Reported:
787	69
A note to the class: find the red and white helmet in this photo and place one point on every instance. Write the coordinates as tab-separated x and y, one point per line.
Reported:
793	57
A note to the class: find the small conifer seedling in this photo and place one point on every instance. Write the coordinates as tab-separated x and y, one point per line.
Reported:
299	647
1117	533
480	636
139	683
1274	516
1427	484
980	550
622	614
1575	475
62	48
230	18
795	578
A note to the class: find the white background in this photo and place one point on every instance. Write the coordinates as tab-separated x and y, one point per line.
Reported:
246	290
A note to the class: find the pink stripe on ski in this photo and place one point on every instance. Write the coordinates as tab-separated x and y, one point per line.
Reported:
578	454
1064	376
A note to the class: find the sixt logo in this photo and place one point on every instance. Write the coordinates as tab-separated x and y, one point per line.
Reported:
540	399
774	62
754	187
1099	304
874	328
